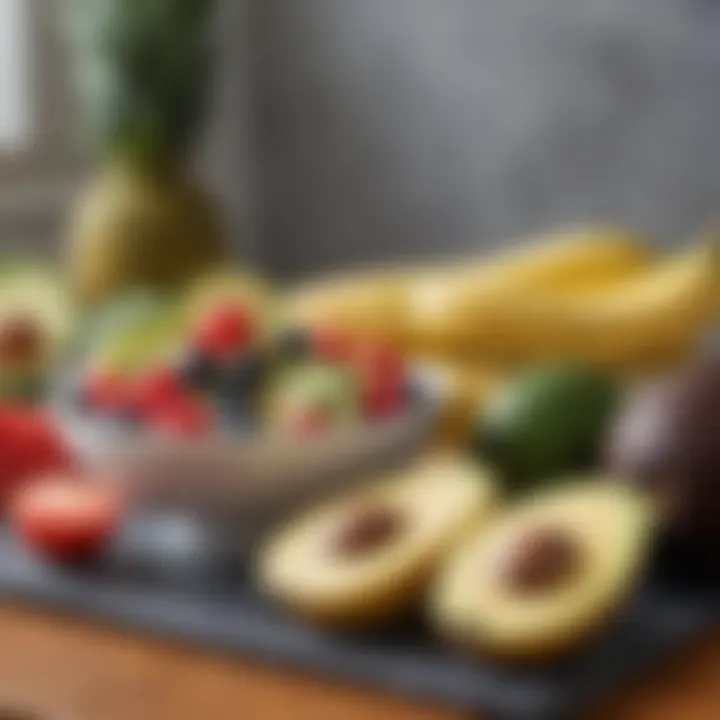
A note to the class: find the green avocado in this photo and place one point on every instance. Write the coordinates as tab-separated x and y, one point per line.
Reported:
549	422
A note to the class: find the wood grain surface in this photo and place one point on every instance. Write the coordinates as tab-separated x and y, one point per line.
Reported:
54	668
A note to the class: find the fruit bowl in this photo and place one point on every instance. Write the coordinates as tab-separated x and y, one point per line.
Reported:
246	477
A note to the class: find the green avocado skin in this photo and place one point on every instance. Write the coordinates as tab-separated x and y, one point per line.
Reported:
549	422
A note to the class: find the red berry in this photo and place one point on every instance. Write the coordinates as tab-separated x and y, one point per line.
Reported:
184	417
331	345
383	378
105	390
156	389
381	396
66	519
225	332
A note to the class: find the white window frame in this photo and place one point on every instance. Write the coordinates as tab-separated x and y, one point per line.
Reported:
38	179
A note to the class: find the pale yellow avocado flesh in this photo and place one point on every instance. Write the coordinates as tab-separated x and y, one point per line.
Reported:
471	605
440	499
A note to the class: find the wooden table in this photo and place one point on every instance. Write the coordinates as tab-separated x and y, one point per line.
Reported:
68	670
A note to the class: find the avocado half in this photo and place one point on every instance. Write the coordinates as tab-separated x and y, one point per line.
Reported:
361	559
36	290
546	574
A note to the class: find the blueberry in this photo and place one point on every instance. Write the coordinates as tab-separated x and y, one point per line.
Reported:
239	415
293	343
243	376
197	370
125	418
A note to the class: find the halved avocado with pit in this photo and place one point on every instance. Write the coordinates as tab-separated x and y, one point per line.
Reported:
362	559
546	574
34	299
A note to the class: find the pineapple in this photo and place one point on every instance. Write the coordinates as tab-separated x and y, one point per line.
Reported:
143	70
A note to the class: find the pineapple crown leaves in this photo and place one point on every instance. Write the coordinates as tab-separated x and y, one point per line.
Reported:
144	72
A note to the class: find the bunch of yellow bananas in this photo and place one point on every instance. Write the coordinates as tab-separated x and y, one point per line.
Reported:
596	295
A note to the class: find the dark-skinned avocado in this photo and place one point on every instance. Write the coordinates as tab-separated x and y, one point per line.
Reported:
549	422
666	441
546	575
362	559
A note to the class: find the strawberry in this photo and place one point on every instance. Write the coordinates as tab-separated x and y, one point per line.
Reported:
225	332
66	519
30	445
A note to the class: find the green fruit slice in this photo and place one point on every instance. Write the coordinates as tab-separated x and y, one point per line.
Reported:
311	387
153	338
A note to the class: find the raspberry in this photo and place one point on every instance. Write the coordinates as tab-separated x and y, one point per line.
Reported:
105	390
382	396
225	332
383	378
156	389
184	417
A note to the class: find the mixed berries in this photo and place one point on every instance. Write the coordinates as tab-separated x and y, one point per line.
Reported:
307	384
225	371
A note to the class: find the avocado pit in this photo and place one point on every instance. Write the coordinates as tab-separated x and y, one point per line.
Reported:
539	560
21	339
367	529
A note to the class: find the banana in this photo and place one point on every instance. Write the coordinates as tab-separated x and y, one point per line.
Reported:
370	303
391	303
653	318
445	314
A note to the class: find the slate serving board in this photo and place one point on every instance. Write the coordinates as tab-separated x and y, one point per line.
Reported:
169	576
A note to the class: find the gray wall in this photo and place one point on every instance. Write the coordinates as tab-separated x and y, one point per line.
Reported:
391	128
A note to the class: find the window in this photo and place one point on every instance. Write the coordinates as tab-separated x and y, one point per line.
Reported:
39	163
14	76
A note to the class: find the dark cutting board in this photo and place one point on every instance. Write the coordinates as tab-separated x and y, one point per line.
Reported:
171	578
